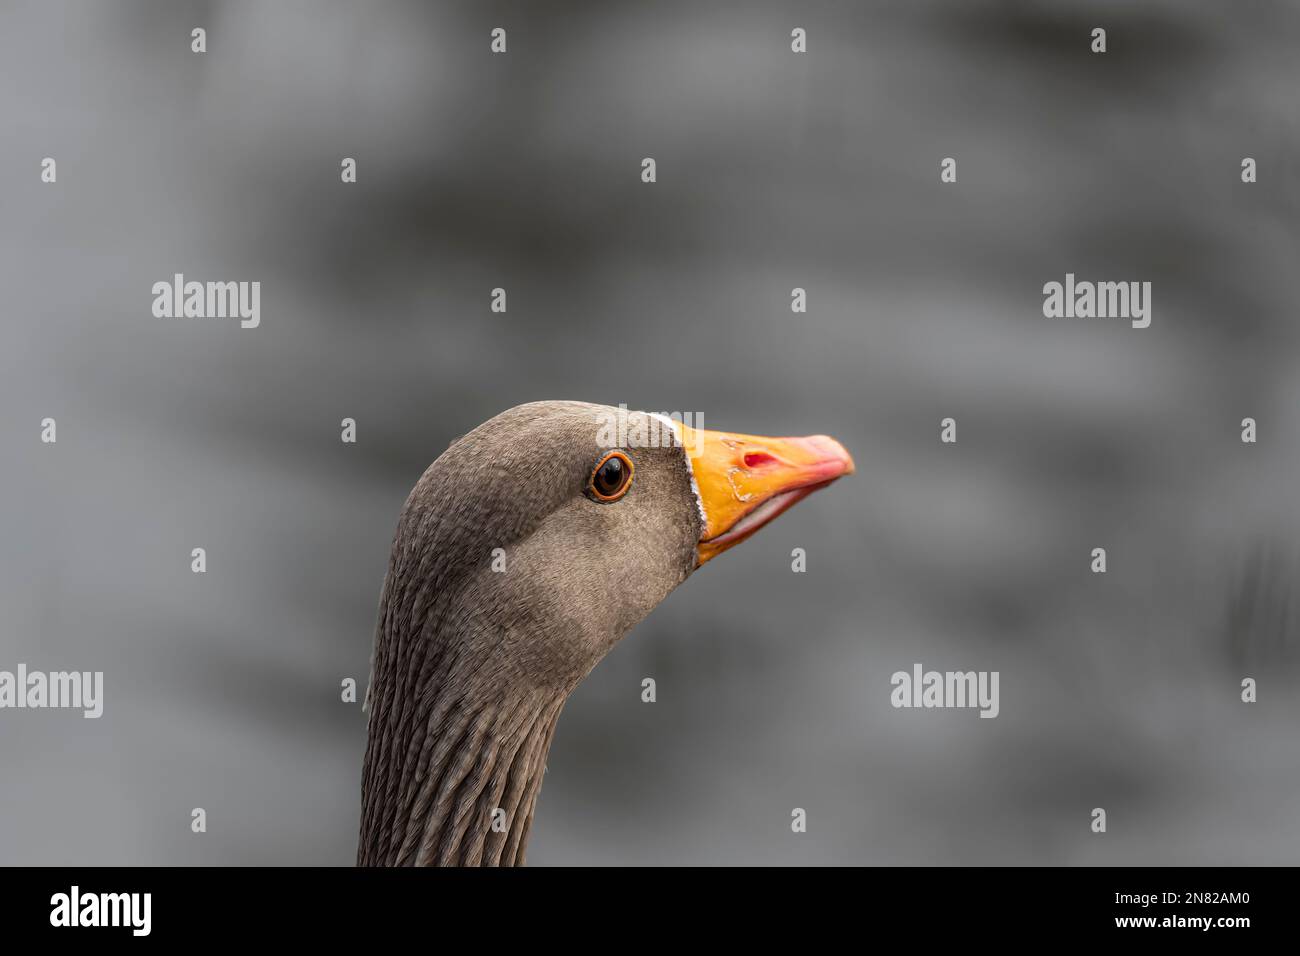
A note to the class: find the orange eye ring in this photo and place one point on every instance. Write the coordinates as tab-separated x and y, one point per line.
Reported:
611	478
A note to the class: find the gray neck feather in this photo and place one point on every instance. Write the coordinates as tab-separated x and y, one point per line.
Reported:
449	744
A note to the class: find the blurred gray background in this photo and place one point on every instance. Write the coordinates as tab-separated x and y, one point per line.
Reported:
775	170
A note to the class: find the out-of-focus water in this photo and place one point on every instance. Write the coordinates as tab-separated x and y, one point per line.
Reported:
775	170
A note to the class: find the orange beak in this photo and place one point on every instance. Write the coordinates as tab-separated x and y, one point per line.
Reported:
744	481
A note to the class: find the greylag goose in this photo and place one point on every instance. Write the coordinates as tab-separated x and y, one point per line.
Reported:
522	555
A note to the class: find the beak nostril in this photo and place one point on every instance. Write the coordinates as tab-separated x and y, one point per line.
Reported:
754	459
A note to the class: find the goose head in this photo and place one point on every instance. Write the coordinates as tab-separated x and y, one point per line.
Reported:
522	555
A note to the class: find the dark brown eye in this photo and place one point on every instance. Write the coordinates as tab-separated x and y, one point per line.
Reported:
611	477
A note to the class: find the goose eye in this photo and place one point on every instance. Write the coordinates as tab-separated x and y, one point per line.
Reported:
611	477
